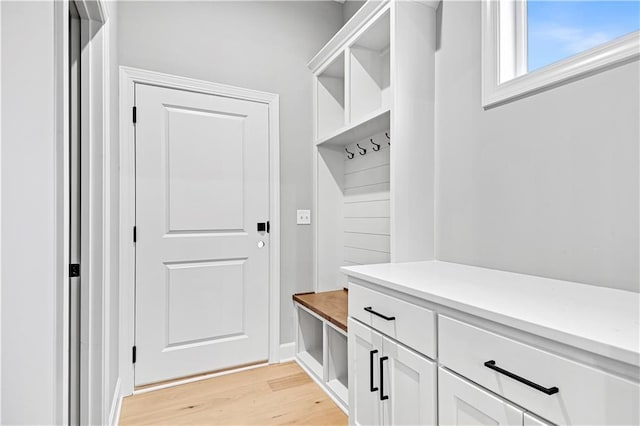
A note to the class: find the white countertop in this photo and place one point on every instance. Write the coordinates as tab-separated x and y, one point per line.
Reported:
597	319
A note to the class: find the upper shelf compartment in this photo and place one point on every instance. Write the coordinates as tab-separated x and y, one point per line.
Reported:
330	98
352	77
370	70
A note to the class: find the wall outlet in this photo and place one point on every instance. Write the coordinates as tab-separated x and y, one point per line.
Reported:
304	217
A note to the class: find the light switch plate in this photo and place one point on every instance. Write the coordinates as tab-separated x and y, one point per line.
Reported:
303	217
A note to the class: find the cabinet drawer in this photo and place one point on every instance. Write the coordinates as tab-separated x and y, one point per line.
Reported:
412	325
585	395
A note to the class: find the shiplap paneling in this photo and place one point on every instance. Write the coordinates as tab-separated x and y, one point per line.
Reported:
368	225
366	206
365	256
375	208
367	241
367	193
367	177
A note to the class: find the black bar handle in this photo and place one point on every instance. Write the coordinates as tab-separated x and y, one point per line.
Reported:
549	391
370	310
371	387
382	395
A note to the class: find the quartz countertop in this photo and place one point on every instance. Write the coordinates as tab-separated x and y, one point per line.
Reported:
600	320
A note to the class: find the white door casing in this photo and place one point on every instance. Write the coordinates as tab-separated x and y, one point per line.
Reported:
202	267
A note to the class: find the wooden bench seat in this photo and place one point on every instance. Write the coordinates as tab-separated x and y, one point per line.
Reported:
330	305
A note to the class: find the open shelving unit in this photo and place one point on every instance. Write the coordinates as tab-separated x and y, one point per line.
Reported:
322	340
373	158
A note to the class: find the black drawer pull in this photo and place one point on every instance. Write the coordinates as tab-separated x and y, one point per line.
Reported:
382	395
371	387
549	391
370	310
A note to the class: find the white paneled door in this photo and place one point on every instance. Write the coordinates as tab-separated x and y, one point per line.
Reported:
202	264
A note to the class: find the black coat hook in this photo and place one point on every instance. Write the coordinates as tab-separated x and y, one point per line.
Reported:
362	150
387	135
349	154
376	146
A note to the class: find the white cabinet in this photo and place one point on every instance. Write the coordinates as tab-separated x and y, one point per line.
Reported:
365	346
462	403
375	309
389	384
554	387
409	381
508	349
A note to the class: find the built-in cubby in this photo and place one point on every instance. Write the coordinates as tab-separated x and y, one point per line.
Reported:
310	340
374	176
330	98
337	372
370	70
354	206
322	340
373	157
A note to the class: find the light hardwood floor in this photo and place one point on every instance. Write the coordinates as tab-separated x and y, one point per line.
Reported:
275	395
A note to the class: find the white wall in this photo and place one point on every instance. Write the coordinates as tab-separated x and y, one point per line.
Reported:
28	334
32	122
546	185
258	45
350	7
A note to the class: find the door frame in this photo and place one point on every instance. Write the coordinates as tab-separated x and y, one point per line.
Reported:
128	79
97	404
95	264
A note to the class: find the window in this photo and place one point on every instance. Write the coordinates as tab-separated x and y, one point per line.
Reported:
529	46
560	29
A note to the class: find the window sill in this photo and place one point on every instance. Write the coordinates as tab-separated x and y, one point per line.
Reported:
597	59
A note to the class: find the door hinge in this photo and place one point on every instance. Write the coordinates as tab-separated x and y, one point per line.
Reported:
133	354
74	270
135	114
135	234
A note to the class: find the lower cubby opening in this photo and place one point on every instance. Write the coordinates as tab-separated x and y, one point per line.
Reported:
322	341
337	362
310	341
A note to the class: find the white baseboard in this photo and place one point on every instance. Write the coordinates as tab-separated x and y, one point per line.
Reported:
287	351
116	405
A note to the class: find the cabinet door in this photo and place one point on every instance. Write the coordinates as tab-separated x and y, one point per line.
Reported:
409	381
463	403
365	349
